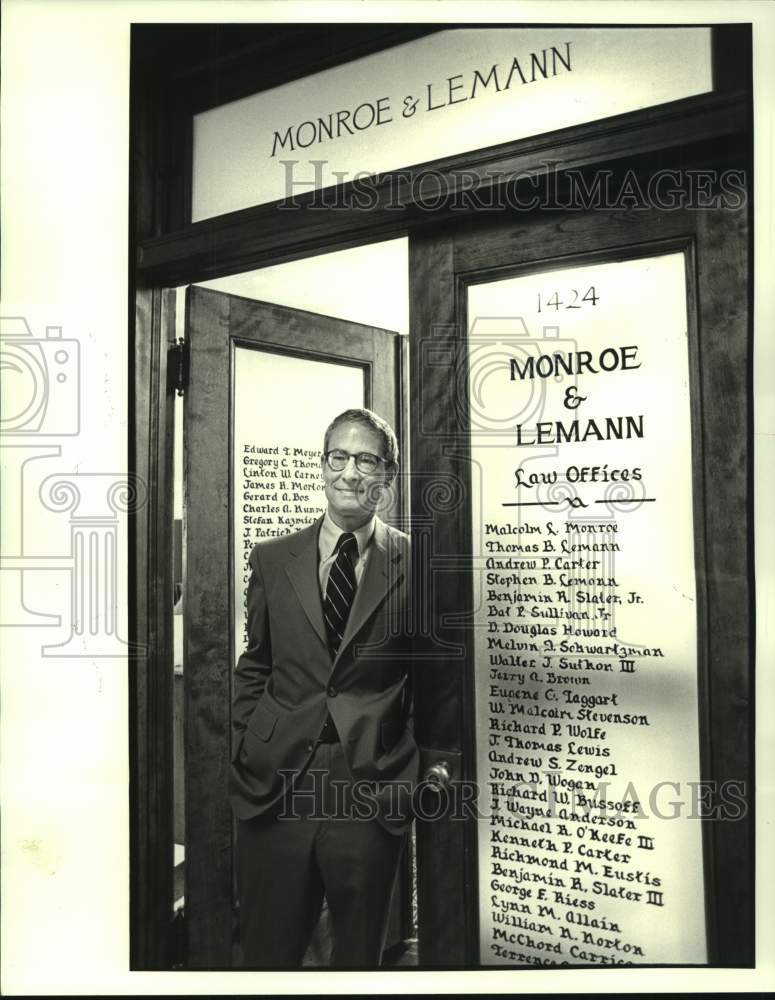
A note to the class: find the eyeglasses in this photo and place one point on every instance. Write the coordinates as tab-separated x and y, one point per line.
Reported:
365	462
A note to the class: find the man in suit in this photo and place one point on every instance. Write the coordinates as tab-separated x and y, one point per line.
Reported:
324	757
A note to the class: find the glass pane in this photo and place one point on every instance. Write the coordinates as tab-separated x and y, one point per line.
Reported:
586	641
365	284
281	405
434	97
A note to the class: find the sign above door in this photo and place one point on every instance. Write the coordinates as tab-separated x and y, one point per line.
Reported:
451	92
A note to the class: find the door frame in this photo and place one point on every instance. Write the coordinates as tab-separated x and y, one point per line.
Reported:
212	317
166	250
721	437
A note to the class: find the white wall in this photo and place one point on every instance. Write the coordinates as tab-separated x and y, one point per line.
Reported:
368	284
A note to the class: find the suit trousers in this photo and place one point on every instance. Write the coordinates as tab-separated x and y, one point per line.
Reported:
306	847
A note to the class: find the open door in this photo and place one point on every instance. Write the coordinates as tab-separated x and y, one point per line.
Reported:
263	383
581	517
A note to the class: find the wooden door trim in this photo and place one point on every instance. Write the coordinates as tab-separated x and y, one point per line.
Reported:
207	653
181	252
277	232
714	246
439	671
163	252
216	326
151	696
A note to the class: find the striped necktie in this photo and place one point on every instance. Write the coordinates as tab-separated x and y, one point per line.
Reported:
340	590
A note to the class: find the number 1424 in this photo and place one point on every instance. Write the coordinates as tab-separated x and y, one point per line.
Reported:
573	301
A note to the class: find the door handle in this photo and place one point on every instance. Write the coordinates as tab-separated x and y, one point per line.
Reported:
437	777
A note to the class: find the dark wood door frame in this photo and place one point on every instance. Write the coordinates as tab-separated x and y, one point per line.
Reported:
447	261
164	251
217	325
427	193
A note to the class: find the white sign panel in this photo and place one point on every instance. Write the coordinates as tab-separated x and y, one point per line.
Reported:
586	665
448	93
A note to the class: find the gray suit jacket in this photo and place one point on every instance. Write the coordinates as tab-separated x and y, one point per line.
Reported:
286	681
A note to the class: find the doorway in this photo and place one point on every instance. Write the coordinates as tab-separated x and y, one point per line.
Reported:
271	357
464	277
556	487
466	247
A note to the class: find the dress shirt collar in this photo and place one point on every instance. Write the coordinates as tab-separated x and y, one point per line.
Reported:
330	532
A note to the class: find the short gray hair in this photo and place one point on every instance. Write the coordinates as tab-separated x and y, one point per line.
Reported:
369	419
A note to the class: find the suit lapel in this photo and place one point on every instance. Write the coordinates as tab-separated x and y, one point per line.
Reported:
382	572
302	571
